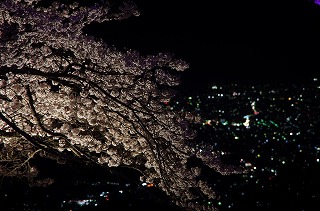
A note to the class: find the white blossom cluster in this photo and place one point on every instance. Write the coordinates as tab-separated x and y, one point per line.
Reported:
63	93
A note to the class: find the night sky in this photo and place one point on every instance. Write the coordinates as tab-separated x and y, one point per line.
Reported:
226	41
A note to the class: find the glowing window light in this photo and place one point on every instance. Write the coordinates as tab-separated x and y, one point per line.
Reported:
150	185
248	164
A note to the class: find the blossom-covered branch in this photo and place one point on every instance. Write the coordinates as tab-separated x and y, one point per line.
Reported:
66	95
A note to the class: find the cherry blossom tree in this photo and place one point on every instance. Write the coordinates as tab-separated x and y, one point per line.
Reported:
66	96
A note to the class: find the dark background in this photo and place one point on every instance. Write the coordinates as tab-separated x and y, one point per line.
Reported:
271	41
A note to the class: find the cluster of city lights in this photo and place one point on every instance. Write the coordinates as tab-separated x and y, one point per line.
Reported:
268	127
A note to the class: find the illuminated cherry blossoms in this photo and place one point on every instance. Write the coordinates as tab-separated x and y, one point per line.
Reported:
68	96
